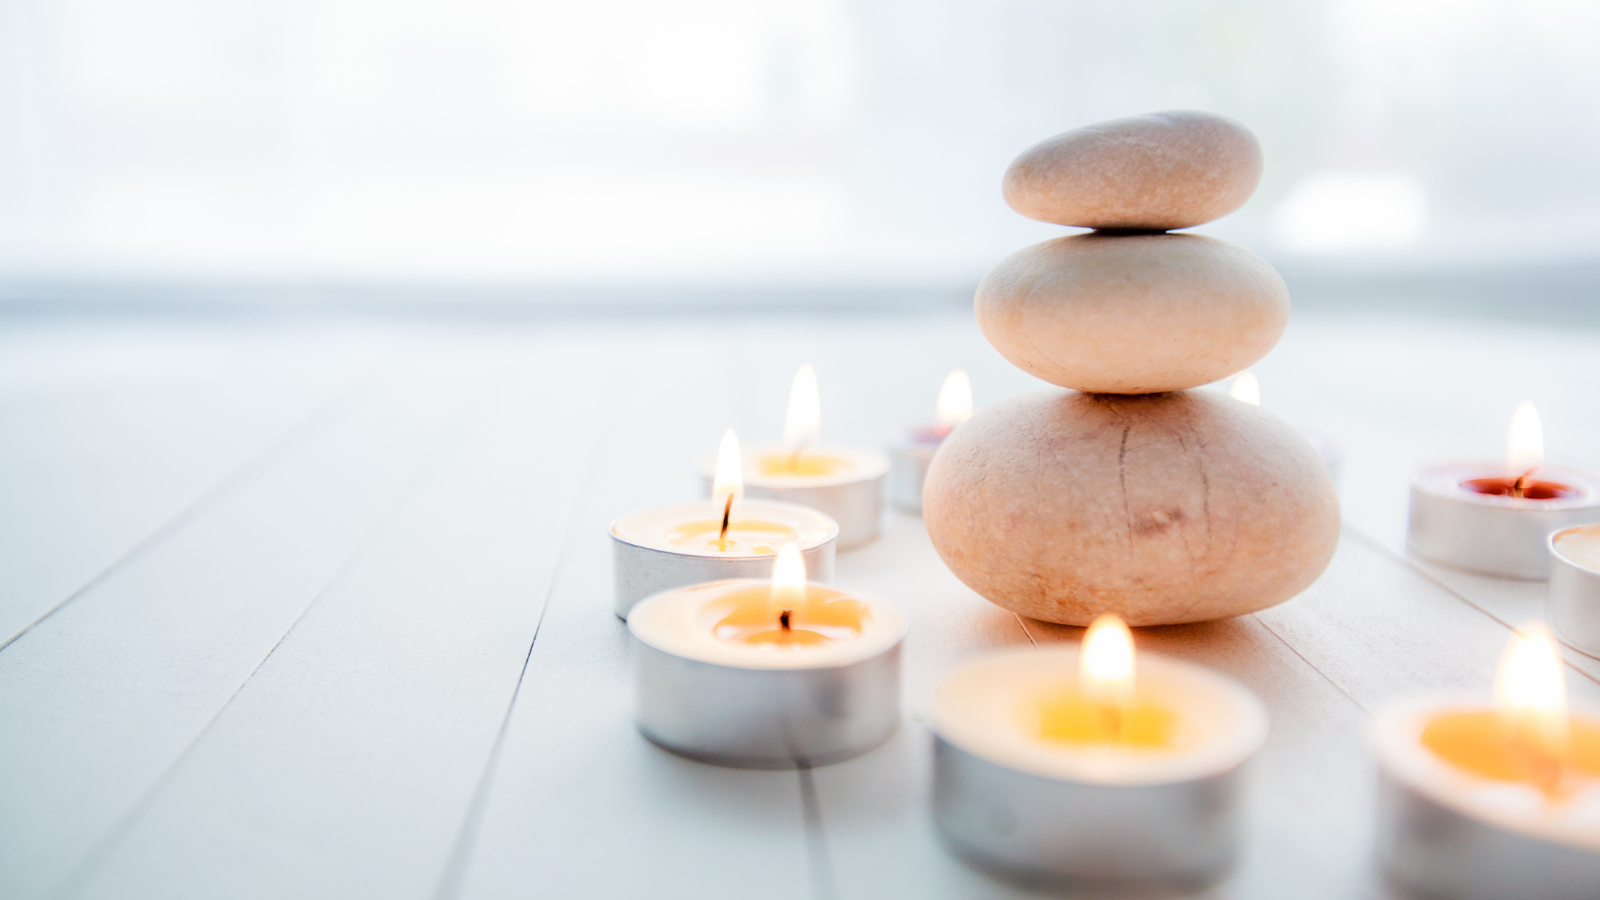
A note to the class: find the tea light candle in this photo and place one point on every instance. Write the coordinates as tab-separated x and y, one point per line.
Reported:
708	540
1575	587
913	449
1480	802
1495	519
1096	766
768	674
844	482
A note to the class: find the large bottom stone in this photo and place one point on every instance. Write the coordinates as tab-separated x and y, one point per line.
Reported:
1161	508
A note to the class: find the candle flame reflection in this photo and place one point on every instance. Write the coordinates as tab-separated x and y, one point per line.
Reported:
1246	388
729	478
1106	665
802	422
788	591
1531	692
955	400
1525	440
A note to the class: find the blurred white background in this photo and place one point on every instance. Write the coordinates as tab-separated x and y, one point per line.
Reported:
646	142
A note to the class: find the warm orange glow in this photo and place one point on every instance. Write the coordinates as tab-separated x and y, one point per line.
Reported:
1073	718
826	616
1106	664
787	613
1484	743
706	534
1528	737
802	421
788	591
730	470
1531	691
955	400
801	464
1104	708
1525	440
1246	388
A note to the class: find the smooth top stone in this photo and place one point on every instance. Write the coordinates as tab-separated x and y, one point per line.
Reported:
1132	314
1144	173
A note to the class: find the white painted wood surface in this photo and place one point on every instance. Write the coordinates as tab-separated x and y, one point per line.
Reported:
319	610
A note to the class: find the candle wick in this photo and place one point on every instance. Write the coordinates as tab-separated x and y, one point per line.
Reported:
727	512
783	619
794	458
1523	482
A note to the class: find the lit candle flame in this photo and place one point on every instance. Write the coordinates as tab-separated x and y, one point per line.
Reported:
1531	691
1525	440
955	400
788	591
1106	665
802	423
1246	388
729	479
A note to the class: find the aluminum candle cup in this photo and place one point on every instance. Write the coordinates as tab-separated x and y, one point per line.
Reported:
844	482
909	456
1444	832
1038	809
1575	587
671	546
1458	519
708	688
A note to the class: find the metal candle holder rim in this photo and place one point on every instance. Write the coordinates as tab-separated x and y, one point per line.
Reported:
1254	721
1418	769
1431	479
1557	556
877	466
826	520
901	626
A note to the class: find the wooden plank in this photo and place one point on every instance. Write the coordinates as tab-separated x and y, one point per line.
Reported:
90	472
360	742
99	700
1510	602
330	773
578	804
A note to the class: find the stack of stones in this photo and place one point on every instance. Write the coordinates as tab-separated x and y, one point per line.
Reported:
1130	493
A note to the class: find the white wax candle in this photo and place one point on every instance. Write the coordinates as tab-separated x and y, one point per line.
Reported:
775	467
1515	806
844	482
685	623
990	708
668	546
757	528
1465	515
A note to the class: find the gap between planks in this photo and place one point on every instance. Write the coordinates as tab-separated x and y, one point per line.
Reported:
1411	565
448	442
455	868
319	419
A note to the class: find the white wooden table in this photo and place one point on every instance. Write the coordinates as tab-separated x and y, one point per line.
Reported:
322	609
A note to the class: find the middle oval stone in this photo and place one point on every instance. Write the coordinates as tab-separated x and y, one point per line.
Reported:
1132	314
